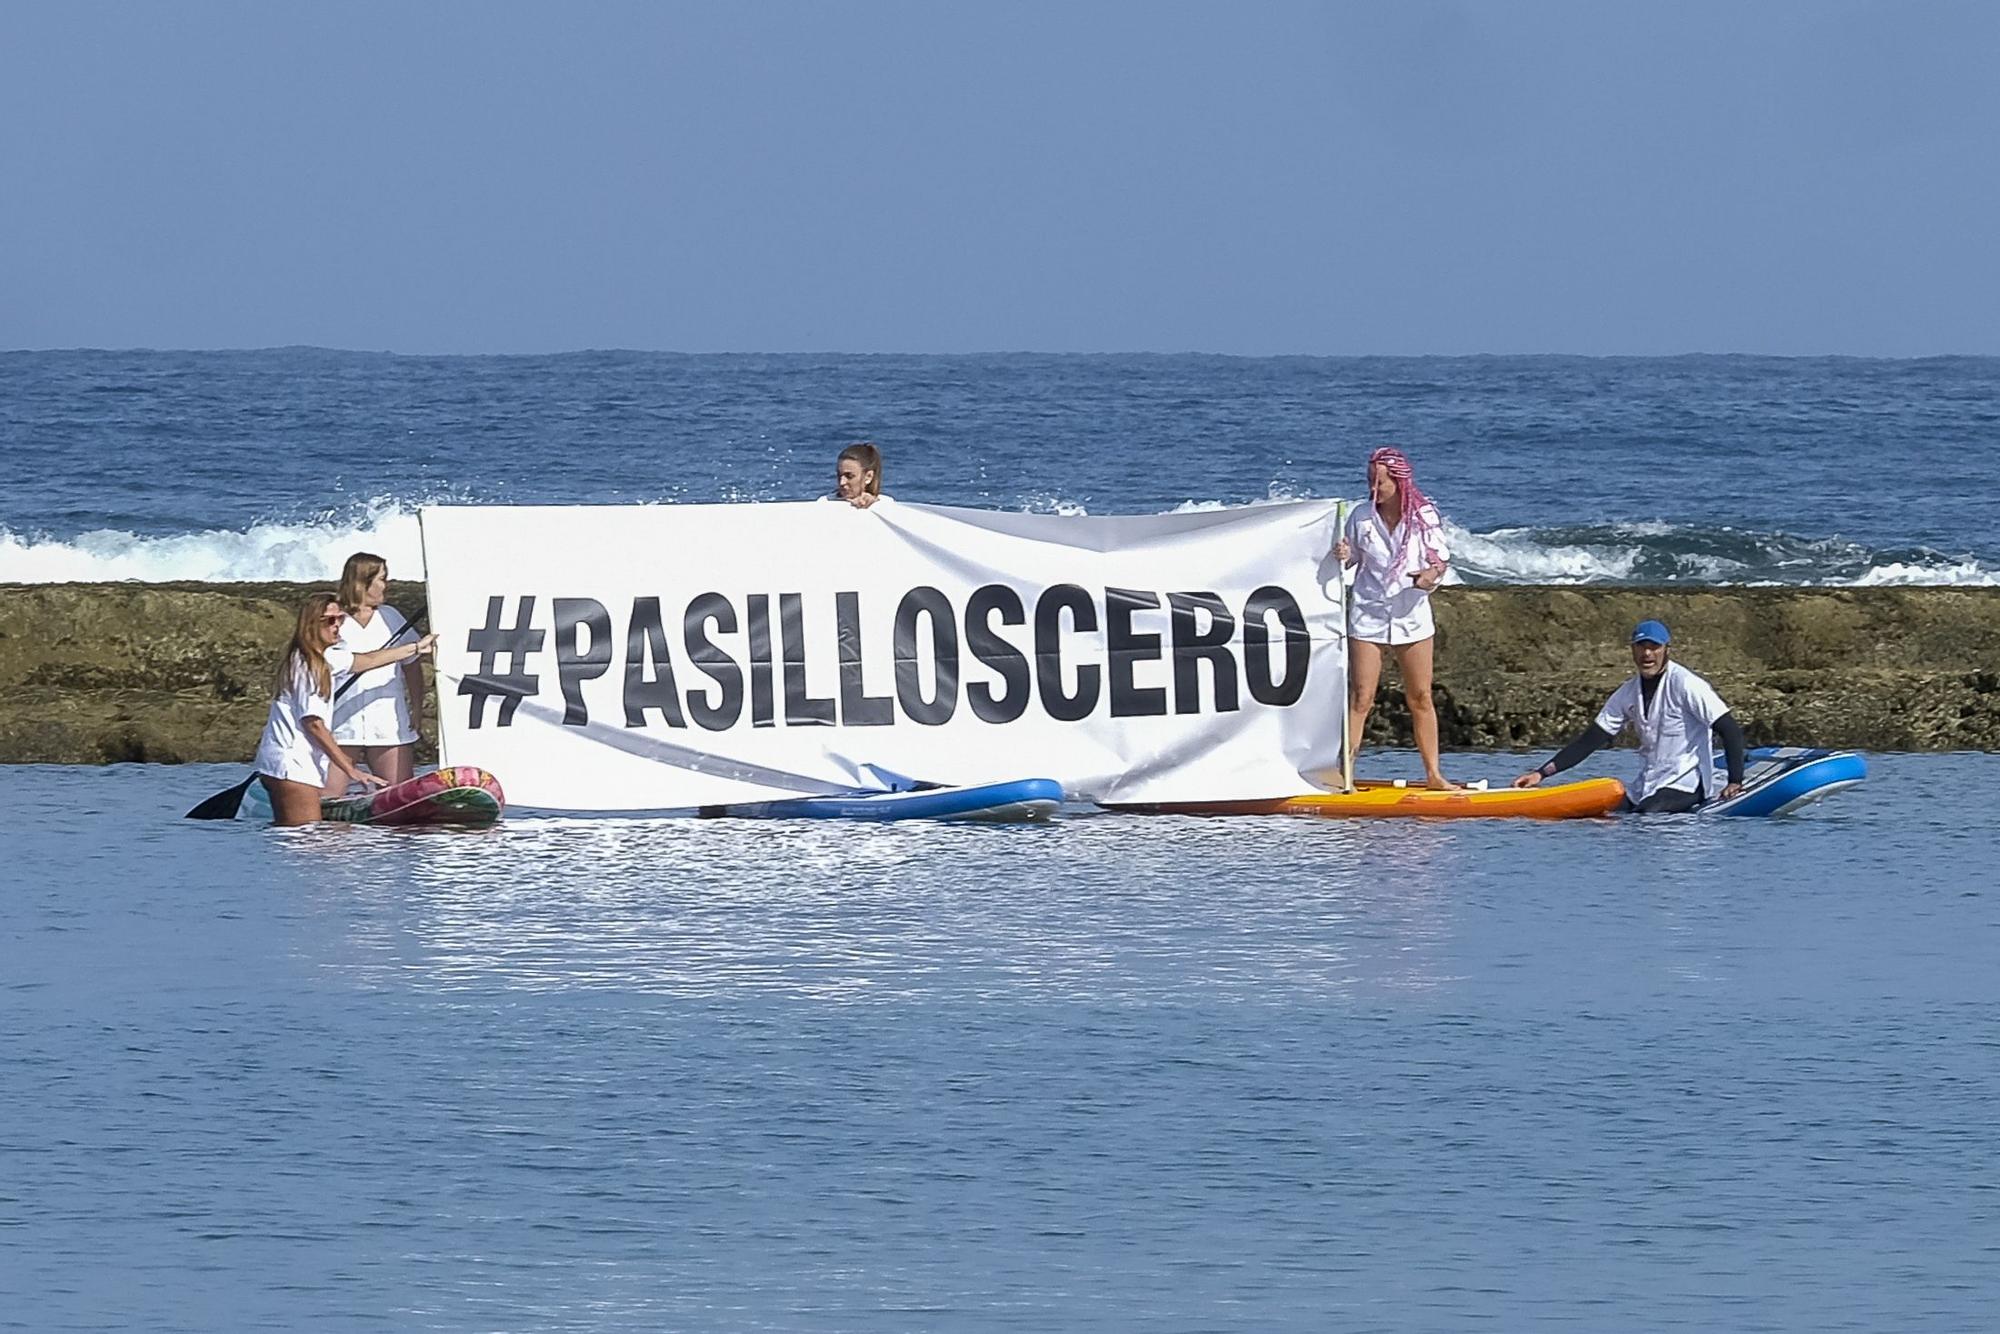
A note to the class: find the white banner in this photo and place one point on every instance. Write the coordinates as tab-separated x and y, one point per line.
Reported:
672	656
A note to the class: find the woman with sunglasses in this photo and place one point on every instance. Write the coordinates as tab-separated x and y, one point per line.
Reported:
298	750
376	720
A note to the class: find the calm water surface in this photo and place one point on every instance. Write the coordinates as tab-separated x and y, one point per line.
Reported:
1108	1073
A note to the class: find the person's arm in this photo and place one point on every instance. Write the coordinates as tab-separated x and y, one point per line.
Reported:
315	727
1438	557
396	653
1346	548
1585	744
1731	733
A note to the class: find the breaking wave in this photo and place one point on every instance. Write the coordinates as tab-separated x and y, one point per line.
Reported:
314	548
298	551
1662	553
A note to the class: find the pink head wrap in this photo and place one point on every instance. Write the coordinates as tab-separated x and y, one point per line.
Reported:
1416	523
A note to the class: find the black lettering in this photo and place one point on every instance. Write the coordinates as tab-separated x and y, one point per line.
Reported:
858	708
1257	647
1192	647
1127	649
801	709
1007	661
939	708
762	707
646	636
575	665
717	715
1049	608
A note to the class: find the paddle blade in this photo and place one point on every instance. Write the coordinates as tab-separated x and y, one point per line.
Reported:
894	782
223	805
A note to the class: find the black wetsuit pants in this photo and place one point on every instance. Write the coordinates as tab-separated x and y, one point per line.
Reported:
1667	801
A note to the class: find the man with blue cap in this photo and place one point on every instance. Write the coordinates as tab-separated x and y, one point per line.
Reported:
1672	711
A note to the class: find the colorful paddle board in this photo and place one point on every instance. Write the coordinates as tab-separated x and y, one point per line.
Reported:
1378	800
459	795
1778	780
1023	799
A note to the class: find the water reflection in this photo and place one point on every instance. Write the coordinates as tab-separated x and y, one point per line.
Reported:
1090	907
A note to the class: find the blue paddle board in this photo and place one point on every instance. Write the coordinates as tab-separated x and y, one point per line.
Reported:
1023	799
1778	780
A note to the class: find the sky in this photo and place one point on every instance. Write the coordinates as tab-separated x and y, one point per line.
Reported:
1409	177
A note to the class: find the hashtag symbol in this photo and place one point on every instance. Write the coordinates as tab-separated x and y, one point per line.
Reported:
491	642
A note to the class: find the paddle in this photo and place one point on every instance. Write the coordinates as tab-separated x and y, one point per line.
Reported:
224	804
659	750
1346	729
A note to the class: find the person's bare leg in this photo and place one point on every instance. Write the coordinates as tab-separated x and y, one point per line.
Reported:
396	764
336	781
1364	673
291	803
1415	662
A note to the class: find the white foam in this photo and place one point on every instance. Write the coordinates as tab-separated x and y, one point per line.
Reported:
299	552
315	549
1276	494
1517	556
1053	504
1962	574
1512	555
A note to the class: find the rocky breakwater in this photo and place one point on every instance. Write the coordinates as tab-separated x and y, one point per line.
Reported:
99	673
1874	669
166	673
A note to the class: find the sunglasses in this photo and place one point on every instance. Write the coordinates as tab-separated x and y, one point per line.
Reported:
334	617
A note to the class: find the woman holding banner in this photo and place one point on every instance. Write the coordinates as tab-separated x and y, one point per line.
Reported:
297	750
378	719
857	475
1395	546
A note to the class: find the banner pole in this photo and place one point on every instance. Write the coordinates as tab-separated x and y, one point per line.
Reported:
1346	714
437	677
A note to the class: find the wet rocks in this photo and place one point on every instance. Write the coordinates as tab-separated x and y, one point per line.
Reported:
102	673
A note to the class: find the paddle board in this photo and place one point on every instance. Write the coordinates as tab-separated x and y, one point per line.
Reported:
459	795
1778	780
1380	800
1023	799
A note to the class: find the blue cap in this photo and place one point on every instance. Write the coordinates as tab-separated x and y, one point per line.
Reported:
1651	632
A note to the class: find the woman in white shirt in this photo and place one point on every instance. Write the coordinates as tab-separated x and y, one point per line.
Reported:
1395	545
297	749
378	719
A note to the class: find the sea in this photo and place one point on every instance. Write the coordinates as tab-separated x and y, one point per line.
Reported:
1107	1073
1689	470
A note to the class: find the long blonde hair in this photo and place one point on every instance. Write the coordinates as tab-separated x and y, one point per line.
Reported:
305	649
870	459
355	576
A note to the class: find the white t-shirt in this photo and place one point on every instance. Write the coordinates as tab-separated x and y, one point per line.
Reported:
285	750
1676	735
879	500
376	711
1386	608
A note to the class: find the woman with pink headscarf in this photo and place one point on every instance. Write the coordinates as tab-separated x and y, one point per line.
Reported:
1395	545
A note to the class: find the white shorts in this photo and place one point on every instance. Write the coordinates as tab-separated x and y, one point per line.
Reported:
295	768
295	765
1403	619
